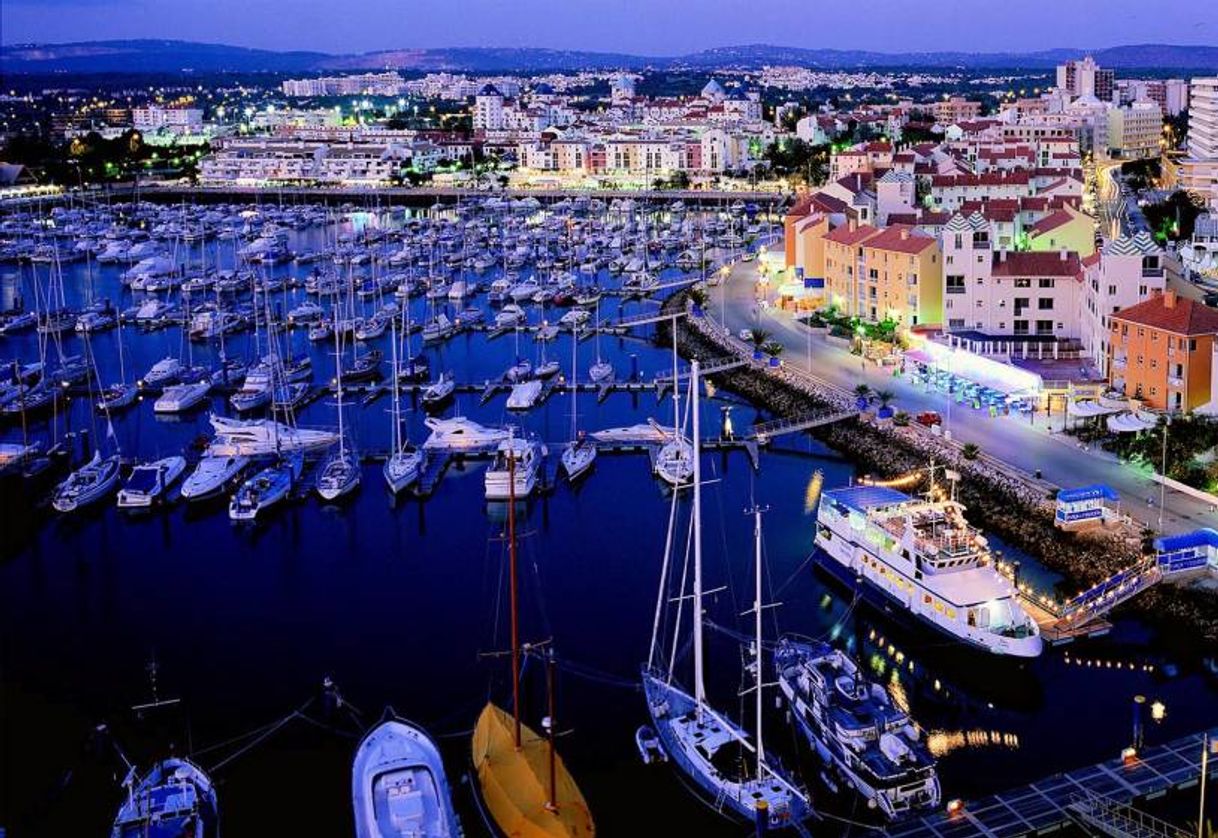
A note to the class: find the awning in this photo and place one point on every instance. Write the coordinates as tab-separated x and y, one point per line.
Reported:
1096	492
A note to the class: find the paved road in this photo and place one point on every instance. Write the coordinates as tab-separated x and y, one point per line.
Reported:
1015	440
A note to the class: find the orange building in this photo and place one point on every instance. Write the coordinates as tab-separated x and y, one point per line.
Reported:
893	273
1162	351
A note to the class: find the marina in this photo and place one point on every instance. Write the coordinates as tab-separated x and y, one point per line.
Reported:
260	488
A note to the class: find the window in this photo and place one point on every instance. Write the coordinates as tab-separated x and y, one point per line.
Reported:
1020	304
955	323
1045	304
955	284
1047	283
1021	327
1044	327
1023	283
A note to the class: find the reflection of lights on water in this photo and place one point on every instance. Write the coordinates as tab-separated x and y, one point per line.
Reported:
1158	711
1098	663
897	691
943	742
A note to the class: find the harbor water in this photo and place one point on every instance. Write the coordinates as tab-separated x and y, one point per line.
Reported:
402	603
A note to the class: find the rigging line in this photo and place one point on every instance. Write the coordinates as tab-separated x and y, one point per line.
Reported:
258	741
676	627
794	574
654	650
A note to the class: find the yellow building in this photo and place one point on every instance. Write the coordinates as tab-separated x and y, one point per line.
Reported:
1063	229
894	273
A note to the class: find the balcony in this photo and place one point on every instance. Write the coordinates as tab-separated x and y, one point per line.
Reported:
1152	273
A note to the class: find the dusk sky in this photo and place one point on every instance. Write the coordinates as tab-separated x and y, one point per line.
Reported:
658	27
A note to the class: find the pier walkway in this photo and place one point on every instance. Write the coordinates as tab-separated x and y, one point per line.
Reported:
1049	804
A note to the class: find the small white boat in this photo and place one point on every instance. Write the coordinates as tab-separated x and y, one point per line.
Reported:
510	316
644	432
601	371
163	373
515	470
88	484
398	786
116	397
149	482
182	397
265	489
651	749
402	469
439	391
212	475
577	457
339	476
524	395
674	462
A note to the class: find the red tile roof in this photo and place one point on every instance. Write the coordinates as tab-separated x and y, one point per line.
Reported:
1025	264
1056	219
1185	317
902	238
844	235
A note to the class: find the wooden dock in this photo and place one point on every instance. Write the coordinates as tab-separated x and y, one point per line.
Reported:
1058	801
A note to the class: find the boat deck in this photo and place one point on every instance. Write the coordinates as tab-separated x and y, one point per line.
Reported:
1044	806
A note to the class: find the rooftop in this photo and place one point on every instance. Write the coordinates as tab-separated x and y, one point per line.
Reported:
1172	313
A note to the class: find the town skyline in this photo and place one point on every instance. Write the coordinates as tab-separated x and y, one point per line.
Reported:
673	28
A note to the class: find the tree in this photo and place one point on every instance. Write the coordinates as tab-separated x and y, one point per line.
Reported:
757	337
772	348
697	296
884	397
970	451
863	391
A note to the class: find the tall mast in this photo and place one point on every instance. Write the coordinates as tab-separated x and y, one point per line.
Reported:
757	673
511	522
552	803
699	686
396	410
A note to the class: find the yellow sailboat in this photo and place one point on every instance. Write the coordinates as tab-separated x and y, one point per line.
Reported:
525	786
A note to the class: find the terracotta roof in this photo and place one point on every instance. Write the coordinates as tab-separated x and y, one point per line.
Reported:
1185	317
844	235
1025	264
925	219
1058	218
902	238
1093	259
1016	178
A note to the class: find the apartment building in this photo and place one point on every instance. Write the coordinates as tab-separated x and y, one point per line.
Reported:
876	274
1199	171
1127	271
1135	130
955	109
1162	351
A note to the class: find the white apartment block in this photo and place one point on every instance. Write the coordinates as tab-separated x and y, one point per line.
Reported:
1199	171
363	84
1126	272
258	161
1004	293
173	120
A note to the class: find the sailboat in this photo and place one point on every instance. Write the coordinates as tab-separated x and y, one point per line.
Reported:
580	453
341	472
674	462
120	394
524	784
703	743
602	370
405	461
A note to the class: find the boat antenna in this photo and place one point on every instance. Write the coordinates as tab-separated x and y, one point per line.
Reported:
511	533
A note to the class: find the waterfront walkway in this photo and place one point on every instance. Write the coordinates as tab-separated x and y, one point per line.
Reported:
1049	804
1016	445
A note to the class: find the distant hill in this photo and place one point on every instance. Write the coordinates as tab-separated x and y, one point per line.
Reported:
151	56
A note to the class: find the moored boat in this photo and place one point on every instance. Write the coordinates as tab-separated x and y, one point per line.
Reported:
398	785
175	799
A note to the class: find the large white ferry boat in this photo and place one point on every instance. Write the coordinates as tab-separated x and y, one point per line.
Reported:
924	556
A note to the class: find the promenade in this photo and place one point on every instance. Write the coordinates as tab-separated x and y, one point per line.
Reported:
1022	444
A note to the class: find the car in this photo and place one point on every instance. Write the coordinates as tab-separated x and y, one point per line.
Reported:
745	335
929	418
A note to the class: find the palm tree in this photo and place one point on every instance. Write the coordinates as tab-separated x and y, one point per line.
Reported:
863	391
697	296
884	397
970	451
772	348
757	337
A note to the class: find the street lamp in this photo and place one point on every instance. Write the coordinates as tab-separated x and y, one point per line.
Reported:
1163	471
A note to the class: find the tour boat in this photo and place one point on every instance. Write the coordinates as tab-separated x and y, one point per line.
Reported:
398	785
923	556
88	484
855	728
175	799
149	482
212	475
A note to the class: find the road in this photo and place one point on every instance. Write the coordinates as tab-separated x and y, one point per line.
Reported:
1027	445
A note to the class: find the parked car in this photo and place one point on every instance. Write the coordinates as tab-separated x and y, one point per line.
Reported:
929	418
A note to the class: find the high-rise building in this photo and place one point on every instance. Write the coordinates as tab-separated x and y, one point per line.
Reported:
1135	130
1086	78
1199	171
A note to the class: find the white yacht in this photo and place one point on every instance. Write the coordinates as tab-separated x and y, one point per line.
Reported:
509	316
924	556
644	432
521	456
182	397
149	482
674	462
460	434
439	391
88	484
163	373
212	475
399	788
263	437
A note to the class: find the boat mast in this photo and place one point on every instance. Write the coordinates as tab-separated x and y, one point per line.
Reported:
757	672
699	686
511	532
552	803
396	409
